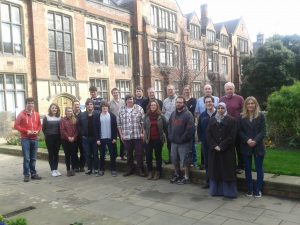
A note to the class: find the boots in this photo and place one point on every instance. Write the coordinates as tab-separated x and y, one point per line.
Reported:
150	175
69	173
157	175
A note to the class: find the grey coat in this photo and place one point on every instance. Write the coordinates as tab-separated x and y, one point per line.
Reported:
162	128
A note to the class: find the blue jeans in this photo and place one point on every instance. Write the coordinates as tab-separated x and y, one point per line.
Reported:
112	152
29	150
258	160
90	148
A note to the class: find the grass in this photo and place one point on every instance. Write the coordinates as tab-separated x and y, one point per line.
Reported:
277	160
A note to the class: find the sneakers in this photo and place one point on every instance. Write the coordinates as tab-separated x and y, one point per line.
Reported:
26	179
58	173
54	173
174	179
184	180
69	173
238	171
100	173
35	177
89	172
114	173
150	175
81	169
249	194
258	195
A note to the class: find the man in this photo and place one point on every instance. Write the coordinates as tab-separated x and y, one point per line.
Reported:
201	130
28	123
181	131
115	105
151	96
139	98
86	129
130	125
79	161
191	105
200	108
234	105
169	107
96	100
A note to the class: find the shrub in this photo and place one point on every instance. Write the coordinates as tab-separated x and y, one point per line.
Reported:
17	221
283	117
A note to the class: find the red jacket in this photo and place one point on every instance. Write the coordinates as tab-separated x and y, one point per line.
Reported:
26	121
67	129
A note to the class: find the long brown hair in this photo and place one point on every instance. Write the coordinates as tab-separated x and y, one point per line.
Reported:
73	118
157	111
58	110
245	113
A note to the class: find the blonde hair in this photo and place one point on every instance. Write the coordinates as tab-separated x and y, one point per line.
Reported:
245	113
73	118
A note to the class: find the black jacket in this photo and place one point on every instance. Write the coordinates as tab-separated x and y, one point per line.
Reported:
82	123
255	130
113	125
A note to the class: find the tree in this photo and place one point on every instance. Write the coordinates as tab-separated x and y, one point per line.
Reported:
267	71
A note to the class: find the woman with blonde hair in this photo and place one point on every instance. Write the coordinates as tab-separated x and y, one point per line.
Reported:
51	131
69	133
252	132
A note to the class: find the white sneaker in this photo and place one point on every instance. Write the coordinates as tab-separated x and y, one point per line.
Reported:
53	173
58	173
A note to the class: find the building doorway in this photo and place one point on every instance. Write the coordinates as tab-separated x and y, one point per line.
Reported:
64	101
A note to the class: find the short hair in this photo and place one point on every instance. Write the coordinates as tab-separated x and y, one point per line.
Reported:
139	88
114	89
104	104
211	97
92	88
229	84
180	96
128	96
151	88
58	110
29	99
76	100
88	101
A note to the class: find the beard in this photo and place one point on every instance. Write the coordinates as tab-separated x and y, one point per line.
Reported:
180	108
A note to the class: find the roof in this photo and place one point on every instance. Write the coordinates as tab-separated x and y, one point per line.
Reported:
231	25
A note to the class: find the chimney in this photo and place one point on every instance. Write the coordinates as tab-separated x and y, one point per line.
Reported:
204	13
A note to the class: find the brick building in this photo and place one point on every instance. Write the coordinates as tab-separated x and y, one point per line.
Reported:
54	50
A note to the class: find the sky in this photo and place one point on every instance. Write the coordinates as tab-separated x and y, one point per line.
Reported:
261	16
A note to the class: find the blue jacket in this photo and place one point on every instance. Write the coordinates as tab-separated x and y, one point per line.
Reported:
113	125
255	130
203	121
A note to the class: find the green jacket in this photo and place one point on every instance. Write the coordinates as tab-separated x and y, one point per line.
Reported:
162	128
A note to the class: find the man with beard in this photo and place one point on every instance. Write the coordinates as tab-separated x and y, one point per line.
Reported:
181	131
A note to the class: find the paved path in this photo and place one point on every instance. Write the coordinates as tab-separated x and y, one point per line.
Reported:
117	200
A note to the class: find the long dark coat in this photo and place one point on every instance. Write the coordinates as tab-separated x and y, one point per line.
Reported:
222	164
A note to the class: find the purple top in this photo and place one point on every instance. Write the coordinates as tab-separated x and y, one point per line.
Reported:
234	105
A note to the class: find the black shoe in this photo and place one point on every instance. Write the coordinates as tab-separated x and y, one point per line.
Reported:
81	169
168	162
174	179
128	173
89	172
26	179
140	173
183	181
249	194
100	173
35	177
76	170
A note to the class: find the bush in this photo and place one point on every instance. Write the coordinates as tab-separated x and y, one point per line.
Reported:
283	117
17	221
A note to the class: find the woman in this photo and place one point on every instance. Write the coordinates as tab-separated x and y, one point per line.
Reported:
68	132
51	131
221	132
155	126
252	132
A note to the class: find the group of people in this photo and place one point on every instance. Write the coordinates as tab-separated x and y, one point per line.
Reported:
230	130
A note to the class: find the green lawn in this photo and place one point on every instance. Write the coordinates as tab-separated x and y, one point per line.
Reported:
277	161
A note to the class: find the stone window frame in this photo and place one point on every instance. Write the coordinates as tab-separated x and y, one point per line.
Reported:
121	47
102	87
124	87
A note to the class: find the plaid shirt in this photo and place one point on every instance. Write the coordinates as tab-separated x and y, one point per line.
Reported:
131	122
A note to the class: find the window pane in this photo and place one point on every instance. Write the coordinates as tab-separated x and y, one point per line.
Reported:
115	36
61	64
20	100
96	51
51	37
59	41
116	54
17	39
5	13
9	81
10	98
66	24
125	38
120	37
101	52
6	38
90	50
68	42
101	33
95	32
2	102
15	15
20	84
50	21
88	30
58	22
1	82
69	67
53	65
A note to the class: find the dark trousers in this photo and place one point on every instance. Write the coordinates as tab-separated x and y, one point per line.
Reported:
155	145
258	161
79	148
204	150
112	152
91	152
53	145
122	151
240	162
168	146
134	147
70	152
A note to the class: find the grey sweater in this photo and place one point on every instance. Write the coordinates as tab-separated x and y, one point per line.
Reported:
51	125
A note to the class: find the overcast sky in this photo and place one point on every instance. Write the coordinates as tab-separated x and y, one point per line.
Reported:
264	16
